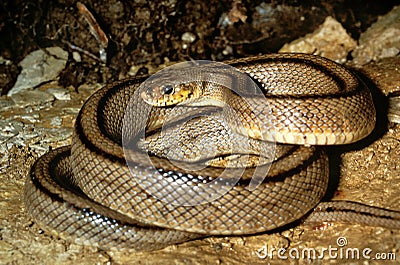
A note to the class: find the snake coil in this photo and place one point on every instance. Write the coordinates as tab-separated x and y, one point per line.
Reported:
86	193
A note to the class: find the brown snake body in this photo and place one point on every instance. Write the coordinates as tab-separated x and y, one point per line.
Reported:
87	193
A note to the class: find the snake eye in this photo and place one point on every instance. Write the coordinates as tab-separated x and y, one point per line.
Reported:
168	89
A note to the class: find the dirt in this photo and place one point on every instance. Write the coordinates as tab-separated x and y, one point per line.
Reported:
146	34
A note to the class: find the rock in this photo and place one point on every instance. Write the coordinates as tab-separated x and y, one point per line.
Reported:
381	40
385	74
38	67
59	93
330	40
188	37
30	98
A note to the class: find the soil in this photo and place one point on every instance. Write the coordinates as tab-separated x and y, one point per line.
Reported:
143	34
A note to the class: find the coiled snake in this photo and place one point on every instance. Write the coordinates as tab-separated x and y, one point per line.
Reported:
87	193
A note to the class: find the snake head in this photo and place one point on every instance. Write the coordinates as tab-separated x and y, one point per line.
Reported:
169	94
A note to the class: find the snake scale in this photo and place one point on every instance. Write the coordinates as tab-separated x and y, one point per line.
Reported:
86	193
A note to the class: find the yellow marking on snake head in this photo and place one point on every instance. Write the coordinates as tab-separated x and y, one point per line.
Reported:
169	95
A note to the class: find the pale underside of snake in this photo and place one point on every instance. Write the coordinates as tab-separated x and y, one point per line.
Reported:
87	193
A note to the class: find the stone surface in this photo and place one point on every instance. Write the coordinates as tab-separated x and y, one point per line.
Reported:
382	72
330	40
39	67
381	40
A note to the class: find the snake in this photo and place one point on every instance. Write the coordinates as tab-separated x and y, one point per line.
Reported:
94	192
